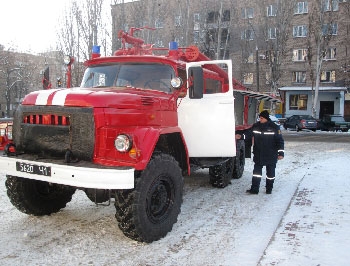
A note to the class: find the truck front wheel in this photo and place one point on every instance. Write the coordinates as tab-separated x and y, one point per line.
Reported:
148	212
37	197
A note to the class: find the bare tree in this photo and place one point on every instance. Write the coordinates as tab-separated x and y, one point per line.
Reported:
345	60
89	22
17	74
83	26
322	27
276	32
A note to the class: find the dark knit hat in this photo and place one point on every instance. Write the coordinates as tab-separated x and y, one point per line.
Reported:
265	114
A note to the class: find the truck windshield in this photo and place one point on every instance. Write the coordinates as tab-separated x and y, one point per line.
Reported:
142	76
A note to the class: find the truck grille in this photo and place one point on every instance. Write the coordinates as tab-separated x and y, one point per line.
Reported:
46	119
49	131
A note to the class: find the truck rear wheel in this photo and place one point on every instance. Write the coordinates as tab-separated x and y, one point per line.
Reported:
37	197
239	160
221	175
148	212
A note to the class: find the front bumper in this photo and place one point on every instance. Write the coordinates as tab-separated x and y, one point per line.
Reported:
82	175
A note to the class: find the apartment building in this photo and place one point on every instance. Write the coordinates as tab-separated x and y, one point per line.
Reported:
271	43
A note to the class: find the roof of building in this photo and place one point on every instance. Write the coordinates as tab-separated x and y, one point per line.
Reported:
259	96
296	88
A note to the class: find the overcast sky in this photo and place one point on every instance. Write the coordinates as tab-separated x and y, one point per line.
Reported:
30	25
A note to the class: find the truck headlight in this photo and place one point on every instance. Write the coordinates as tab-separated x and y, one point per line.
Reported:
123	143
176	83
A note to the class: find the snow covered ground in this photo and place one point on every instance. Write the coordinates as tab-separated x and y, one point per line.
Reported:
305	221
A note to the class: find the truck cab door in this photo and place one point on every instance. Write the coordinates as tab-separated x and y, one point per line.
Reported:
208	122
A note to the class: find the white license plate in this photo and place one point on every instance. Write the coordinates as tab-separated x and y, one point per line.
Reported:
33	169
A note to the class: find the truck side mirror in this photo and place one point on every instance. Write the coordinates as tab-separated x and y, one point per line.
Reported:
196	78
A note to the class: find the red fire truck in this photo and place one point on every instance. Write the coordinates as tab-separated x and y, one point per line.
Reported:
141	120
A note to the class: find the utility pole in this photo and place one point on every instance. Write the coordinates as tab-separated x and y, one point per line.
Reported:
257	68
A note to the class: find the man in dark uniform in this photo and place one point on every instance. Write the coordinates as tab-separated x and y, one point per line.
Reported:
268	148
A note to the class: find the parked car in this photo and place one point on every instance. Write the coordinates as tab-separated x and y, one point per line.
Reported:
299	122
274	119
334	123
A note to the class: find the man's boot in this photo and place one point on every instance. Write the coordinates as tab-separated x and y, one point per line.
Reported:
254	189
269	184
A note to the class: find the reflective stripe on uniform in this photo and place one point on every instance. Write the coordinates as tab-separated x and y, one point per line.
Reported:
263	133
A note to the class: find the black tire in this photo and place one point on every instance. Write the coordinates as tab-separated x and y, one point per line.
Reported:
221	175
37	197
239	160
148	212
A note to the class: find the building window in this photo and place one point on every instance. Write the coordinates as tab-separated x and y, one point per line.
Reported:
300	31
330	29
248	78
271	10
299	76
196	26
224	53
267	77
126	27
249	58
247	35
225	36
272	33
299	55
328	76
159	43
301	8
212	16
177	21
196	36
196	17
330	5
330	54
247	12
178	40
159	23
226	16
298	101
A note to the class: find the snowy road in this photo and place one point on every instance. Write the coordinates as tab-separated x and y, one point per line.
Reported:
309	206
